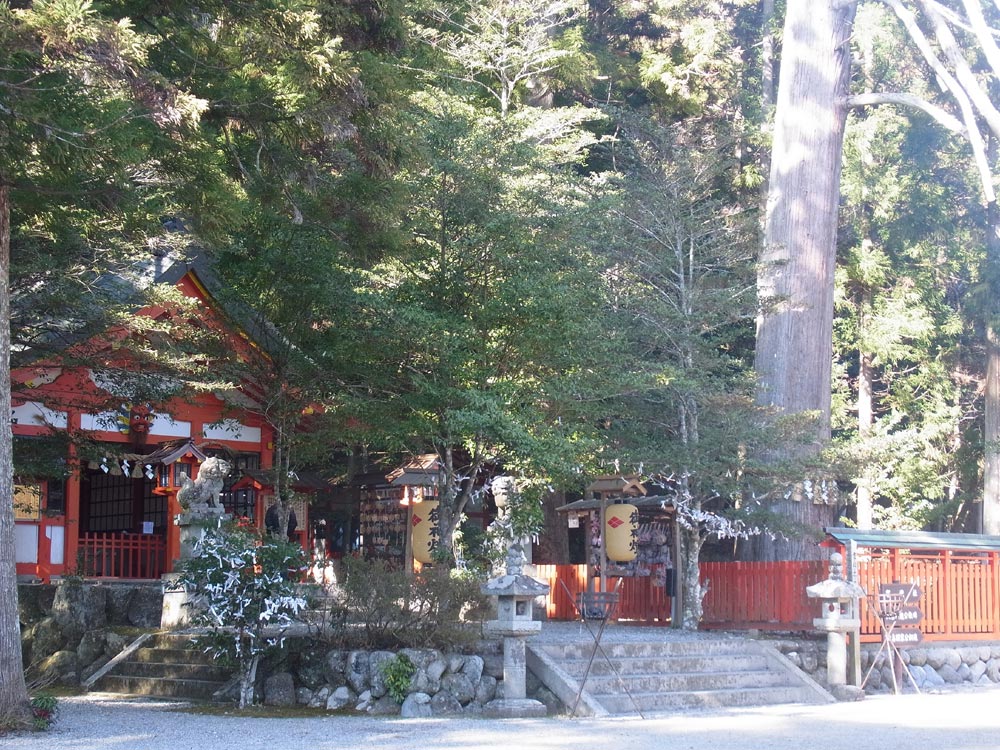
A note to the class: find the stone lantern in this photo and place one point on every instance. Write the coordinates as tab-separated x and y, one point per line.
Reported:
840	616
515	593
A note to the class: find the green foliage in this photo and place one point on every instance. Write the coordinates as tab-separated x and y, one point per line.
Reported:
44	710
393	609
397	672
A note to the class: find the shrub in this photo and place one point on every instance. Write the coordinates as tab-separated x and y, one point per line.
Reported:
44	708
246	595
398	672
392	609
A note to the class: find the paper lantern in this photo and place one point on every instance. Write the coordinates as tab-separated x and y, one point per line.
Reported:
620	532
424	525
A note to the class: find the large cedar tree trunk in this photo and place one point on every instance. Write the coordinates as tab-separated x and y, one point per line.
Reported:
796	278
13	693
991	396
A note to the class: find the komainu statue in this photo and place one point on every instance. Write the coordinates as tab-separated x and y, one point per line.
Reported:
204	491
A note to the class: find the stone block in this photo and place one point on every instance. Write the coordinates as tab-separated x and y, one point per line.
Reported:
279	690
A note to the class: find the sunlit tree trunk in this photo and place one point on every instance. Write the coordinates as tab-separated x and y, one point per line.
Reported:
13	692
796	278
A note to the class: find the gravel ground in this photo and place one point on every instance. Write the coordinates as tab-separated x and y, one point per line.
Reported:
960	720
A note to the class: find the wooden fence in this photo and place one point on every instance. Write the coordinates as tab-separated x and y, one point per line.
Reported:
639	599
960	593
120	555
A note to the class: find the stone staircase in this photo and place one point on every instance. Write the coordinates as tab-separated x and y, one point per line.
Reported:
163	665
656	675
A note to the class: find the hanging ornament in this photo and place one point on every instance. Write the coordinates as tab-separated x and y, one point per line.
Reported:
104	465
149	471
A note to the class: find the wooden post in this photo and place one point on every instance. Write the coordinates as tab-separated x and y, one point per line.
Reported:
677	603
604	543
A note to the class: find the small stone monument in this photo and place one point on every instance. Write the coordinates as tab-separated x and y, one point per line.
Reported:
515	593
840	616
201	510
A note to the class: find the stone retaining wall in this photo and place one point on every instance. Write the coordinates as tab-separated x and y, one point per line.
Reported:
932	665
69	630
444	684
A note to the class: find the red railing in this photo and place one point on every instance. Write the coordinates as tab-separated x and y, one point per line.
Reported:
960	593
120	555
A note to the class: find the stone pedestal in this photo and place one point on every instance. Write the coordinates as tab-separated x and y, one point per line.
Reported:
177	600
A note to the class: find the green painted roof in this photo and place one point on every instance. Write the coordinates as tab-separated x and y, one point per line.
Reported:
924	540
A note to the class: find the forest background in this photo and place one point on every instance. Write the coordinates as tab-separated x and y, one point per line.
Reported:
540	238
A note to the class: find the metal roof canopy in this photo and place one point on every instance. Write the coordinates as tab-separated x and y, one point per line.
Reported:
916	540
651	502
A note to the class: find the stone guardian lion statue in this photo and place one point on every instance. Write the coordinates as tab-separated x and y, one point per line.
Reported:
205	490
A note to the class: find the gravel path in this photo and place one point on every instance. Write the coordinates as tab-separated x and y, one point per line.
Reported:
960	720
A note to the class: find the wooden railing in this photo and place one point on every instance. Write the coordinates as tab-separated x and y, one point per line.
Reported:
639	599
960	593
121	555
762	595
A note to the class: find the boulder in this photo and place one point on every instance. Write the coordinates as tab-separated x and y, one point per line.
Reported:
384	706
458	685
445	704
279	690
918	656
78	608
335	666
46	639
62	668
340	698
473	668
969	655
486	690
91	646
319	697
303	696
379	687
436	669
416	706
357	671
993	670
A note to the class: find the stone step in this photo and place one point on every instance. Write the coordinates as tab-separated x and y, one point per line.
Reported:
665	665
173	671
647	649
167	688
733	698
694	682
174	656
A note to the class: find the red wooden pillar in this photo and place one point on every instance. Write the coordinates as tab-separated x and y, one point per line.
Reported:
72	531
173	534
